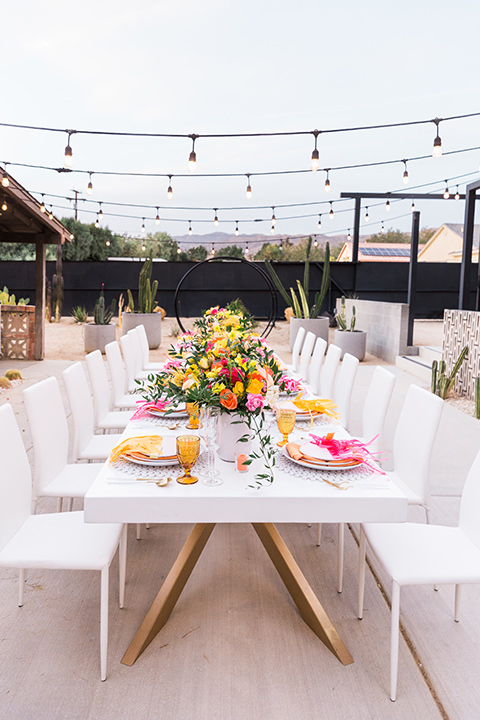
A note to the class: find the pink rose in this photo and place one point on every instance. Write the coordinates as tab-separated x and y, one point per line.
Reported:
254	402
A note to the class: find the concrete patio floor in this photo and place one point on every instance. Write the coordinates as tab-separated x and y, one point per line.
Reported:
235	646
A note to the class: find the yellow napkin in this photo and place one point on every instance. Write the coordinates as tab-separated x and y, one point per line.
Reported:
149	445
317	406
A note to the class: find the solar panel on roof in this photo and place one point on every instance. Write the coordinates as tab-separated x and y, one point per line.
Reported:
385	252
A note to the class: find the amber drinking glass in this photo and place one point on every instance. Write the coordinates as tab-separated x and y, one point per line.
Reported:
285	422
188	448
193	415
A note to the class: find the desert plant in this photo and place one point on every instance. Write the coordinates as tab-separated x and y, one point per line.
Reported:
238	306
300	304
441	383
477	398
102	316
57	297
5	383
146	291
79	314
341	317
13	375
7	299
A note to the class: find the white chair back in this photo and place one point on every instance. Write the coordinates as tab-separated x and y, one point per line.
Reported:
306	355
15	477
342	392
414	437
329	371
118	374
376	406
137	350
49	432
142	336
81	405
100	386
129	358
316	364
297	346
470	505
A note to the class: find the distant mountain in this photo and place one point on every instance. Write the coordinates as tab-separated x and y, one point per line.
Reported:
255	241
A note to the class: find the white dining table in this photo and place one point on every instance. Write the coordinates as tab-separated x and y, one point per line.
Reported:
295	496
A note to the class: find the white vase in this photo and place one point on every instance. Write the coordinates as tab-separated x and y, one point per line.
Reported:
229	432
319	327
152	323
95	337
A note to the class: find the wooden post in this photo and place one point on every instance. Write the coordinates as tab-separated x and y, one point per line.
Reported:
40	267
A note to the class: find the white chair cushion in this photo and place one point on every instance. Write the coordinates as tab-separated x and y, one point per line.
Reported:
115	420
73	480
99	447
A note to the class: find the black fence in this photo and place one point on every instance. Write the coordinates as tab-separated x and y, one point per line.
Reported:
219	282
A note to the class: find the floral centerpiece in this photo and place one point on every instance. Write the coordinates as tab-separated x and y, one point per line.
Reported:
223	364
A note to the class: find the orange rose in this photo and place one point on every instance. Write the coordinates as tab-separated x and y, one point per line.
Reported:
228	399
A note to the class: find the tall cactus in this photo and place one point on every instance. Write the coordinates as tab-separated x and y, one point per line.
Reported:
441	383
101	316
146	291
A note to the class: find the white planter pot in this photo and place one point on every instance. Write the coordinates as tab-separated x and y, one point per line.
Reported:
319	326
228	434
351	342
152	323
95	337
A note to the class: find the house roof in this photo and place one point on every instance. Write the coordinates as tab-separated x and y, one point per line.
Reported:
458	229
378	252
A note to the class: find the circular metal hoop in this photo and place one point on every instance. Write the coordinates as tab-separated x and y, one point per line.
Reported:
262	273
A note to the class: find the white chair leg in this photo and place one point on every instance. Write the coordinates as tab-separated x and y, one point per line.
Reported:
319	534
361	571
394	640
458	597
103	623
69	504
59	504
34	506
138	531
147	526
122	562
340	555
21	586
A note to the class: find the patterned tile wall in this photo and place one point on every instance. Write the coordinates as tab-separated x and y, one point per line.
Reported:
18	332
460	328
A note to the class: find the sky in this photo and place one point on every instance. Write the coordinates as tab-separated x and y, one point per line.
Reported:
220	67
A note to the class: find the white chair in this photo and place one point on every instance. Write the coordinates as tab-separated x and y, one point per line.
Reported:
418	554
52	475
86	445
306	355
118	377
344	382
104	418
297	346
137	353
129	359
329	371
56	541
375	408
316	365
146	364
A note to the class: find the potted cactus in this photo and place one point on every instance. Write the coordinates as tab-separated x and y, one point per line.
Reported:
102	331
347	337
298	309
147	313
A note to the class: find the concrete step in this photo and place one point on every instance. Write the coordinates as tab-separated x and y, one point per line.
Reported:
429	353
415	365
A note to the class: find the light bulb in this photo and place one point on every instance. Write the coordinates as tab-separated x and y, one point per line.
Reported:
213	249
246	249
319	224
446	194
327	187
72	237
42	206
100	214
50	215
170	189
190	230
236	229
413	206
179	250
272	229
437	143
192	161
387	206
143	247
274	219
5	180
382	229
457	194
142	229
107	243
249	188
330	214
315	243
315	164
4	206
405	178
97	224
215	219
68	162
90	185
367	216
349	236
157	219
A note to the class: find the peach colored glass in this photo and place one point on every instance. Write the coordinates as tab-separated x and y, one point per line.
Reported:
193	415
285	422
188	448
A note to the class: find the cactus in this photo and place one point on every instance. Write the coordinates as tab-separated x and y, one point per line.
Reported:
442	383
57	297
353	320
300	307
477	398
13	375
341	317
146	291
101	316
7	299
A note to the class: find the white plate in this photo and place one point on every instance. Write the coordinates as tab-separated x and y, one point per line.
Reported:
181	412
156	463
169	448
320	465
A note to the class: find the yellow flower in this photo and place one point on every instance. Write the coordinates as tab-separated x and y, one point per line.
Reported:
255	387
204	363
218	387
238	388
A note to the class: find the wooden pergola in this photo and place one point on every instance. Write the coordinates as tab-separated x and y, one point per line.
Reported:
24	222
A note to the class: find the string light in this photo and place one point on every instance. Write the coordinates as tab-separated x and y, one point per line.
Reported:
405	173
72	237
413	206
97	223
315	242
246	248
100	211
315	163
213	249
68	162
42	206
90	185
236	228
319	224
215	219
50	214
331	211
446	194
349	236
5	180
4	205
437	143
179	250
457	194
281	244
274	219
157	218
190	227
367	216
143	247
387	206
272	229
170	189
192	160
327	187
107	243
249	187
142	229
382	229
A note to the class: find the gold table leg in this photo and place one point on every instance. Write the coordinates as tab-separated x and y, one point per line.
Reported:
305	599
